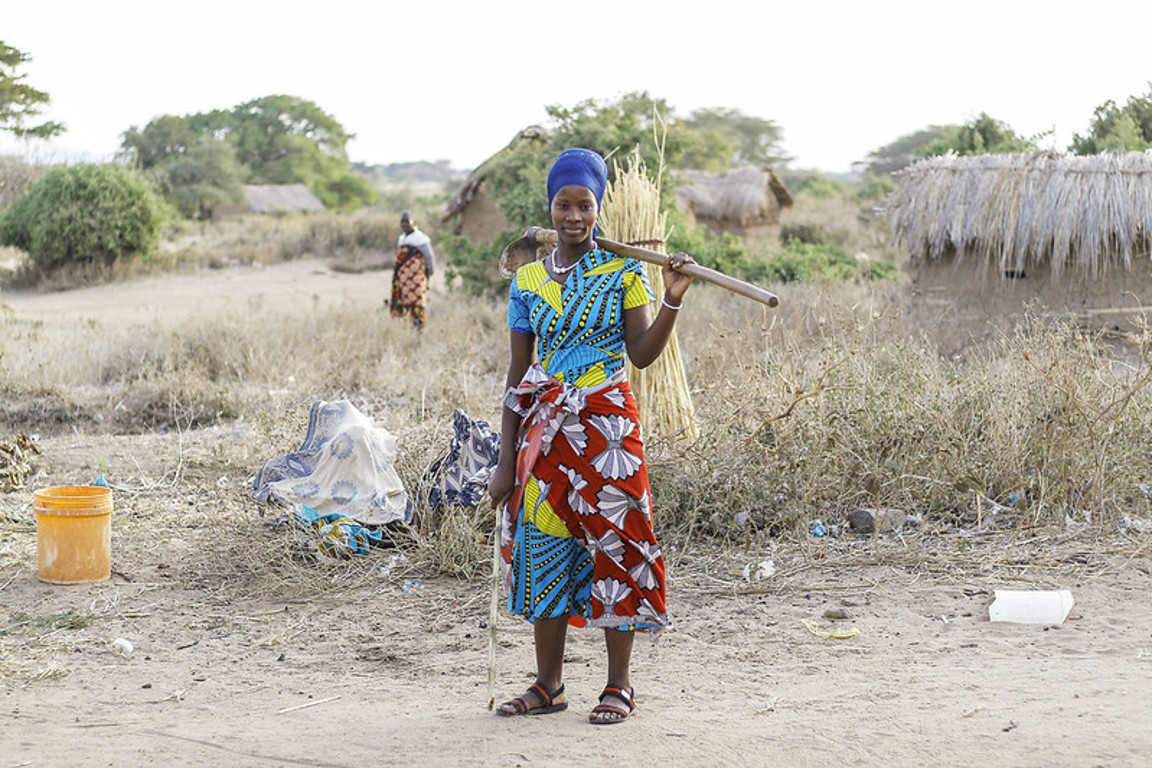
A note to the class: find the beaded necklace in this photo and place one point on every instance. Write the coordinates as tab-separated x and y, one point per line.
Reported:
567	269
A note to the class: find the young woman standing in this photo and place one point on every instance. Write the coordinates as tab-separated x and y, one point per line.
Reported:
577	534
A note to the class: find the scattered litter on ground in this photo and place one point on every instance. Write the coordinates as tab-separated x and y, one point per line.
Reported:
840	634
765	570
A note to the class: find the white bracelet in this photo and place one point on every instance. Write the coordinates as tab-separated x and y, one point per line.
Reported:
673	307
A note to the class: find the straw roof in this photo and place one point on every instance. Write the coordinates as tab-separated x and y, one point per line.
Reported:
1086	213
281	198
745	195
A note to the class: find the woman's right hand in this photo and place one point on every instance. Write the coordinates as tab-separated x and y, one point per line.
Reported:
502	483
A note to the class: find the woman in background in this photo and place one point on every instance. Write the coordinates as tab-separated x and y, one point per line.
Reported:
415	263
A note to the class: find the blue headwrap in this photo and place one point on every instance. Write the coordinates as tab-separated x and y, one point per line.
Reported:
578	166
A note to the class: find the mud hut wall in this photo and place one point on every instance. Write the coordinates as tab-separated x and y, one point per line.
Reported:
482	220
956	301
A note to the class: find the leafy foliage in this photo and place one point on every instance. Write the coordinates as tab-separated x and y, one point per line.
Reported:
206	176
518	179
802	232
812	262
475	266
86	214
1114	128
983	136
725	253
615	129
752	140
819	185
16	176
274	140
19	101
874	186
905	150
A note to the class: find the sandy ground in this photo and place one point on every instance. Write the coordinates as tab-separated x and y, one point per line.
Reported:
383	665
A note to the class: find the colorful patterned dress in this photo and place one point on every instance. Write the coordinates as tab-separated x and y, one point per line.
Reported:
577	536
410	277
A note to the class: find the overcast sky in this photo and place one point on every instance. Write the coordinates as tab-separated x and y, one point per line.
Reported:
455	81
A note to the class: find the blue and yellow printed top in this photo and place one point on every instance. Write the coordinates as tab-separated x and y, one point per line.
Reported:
579	325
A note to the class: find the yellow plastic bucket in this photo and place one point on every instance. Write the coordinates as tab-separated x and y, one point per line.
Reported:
73	534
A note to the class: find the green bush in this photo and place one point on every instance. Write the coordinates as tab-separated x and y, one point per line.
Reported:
725	252
802	233
86	214
809	262
818	185
475	267
874	187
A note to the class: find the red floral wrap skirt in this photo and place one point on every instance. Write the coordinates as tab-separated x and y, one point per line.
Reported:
580	465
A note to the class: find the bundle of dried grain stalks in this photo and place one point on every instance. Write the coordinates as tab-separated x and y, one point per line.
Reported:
631	214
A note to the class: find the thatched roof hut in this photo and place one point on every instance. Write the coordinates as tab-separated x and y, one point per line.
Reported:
745	202
989	233
281	198
273	198
1021	210
472	212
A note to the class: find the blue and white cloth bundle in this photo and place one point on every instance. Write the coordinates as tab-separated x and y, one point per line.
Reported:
345	466
460	476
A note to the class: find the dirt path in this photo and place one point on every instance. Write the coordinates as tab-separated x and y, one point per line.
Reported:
171	298
392	672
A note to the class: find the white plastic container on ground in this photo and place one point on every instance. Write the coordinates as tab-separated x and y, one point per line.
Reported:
1031	606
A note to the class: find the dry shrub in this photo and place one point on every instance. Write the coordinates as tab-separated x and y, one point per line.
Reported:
823	405
837	407
16	176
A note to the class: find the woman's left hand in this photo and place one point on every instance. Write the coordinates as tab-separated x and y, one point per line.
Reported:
675	282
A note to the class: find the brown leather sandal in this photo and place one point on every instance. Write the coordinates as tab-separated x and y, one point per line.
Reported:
551	704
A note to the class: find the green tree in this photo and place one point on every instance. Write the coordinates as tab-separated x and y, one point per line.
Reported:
1114	128
614	128
905	150
205	176
983	136
276	140
708	151
281	139
20	102
516	178
753	140
87	214
164	138
717	138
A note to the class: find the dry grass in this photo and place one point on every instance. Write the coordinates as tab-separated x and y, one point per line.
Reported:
808	412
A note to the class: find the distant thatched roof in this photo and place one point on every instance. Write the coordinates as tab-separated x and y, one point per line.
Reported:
1017	210
281	198
744	195
471	187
